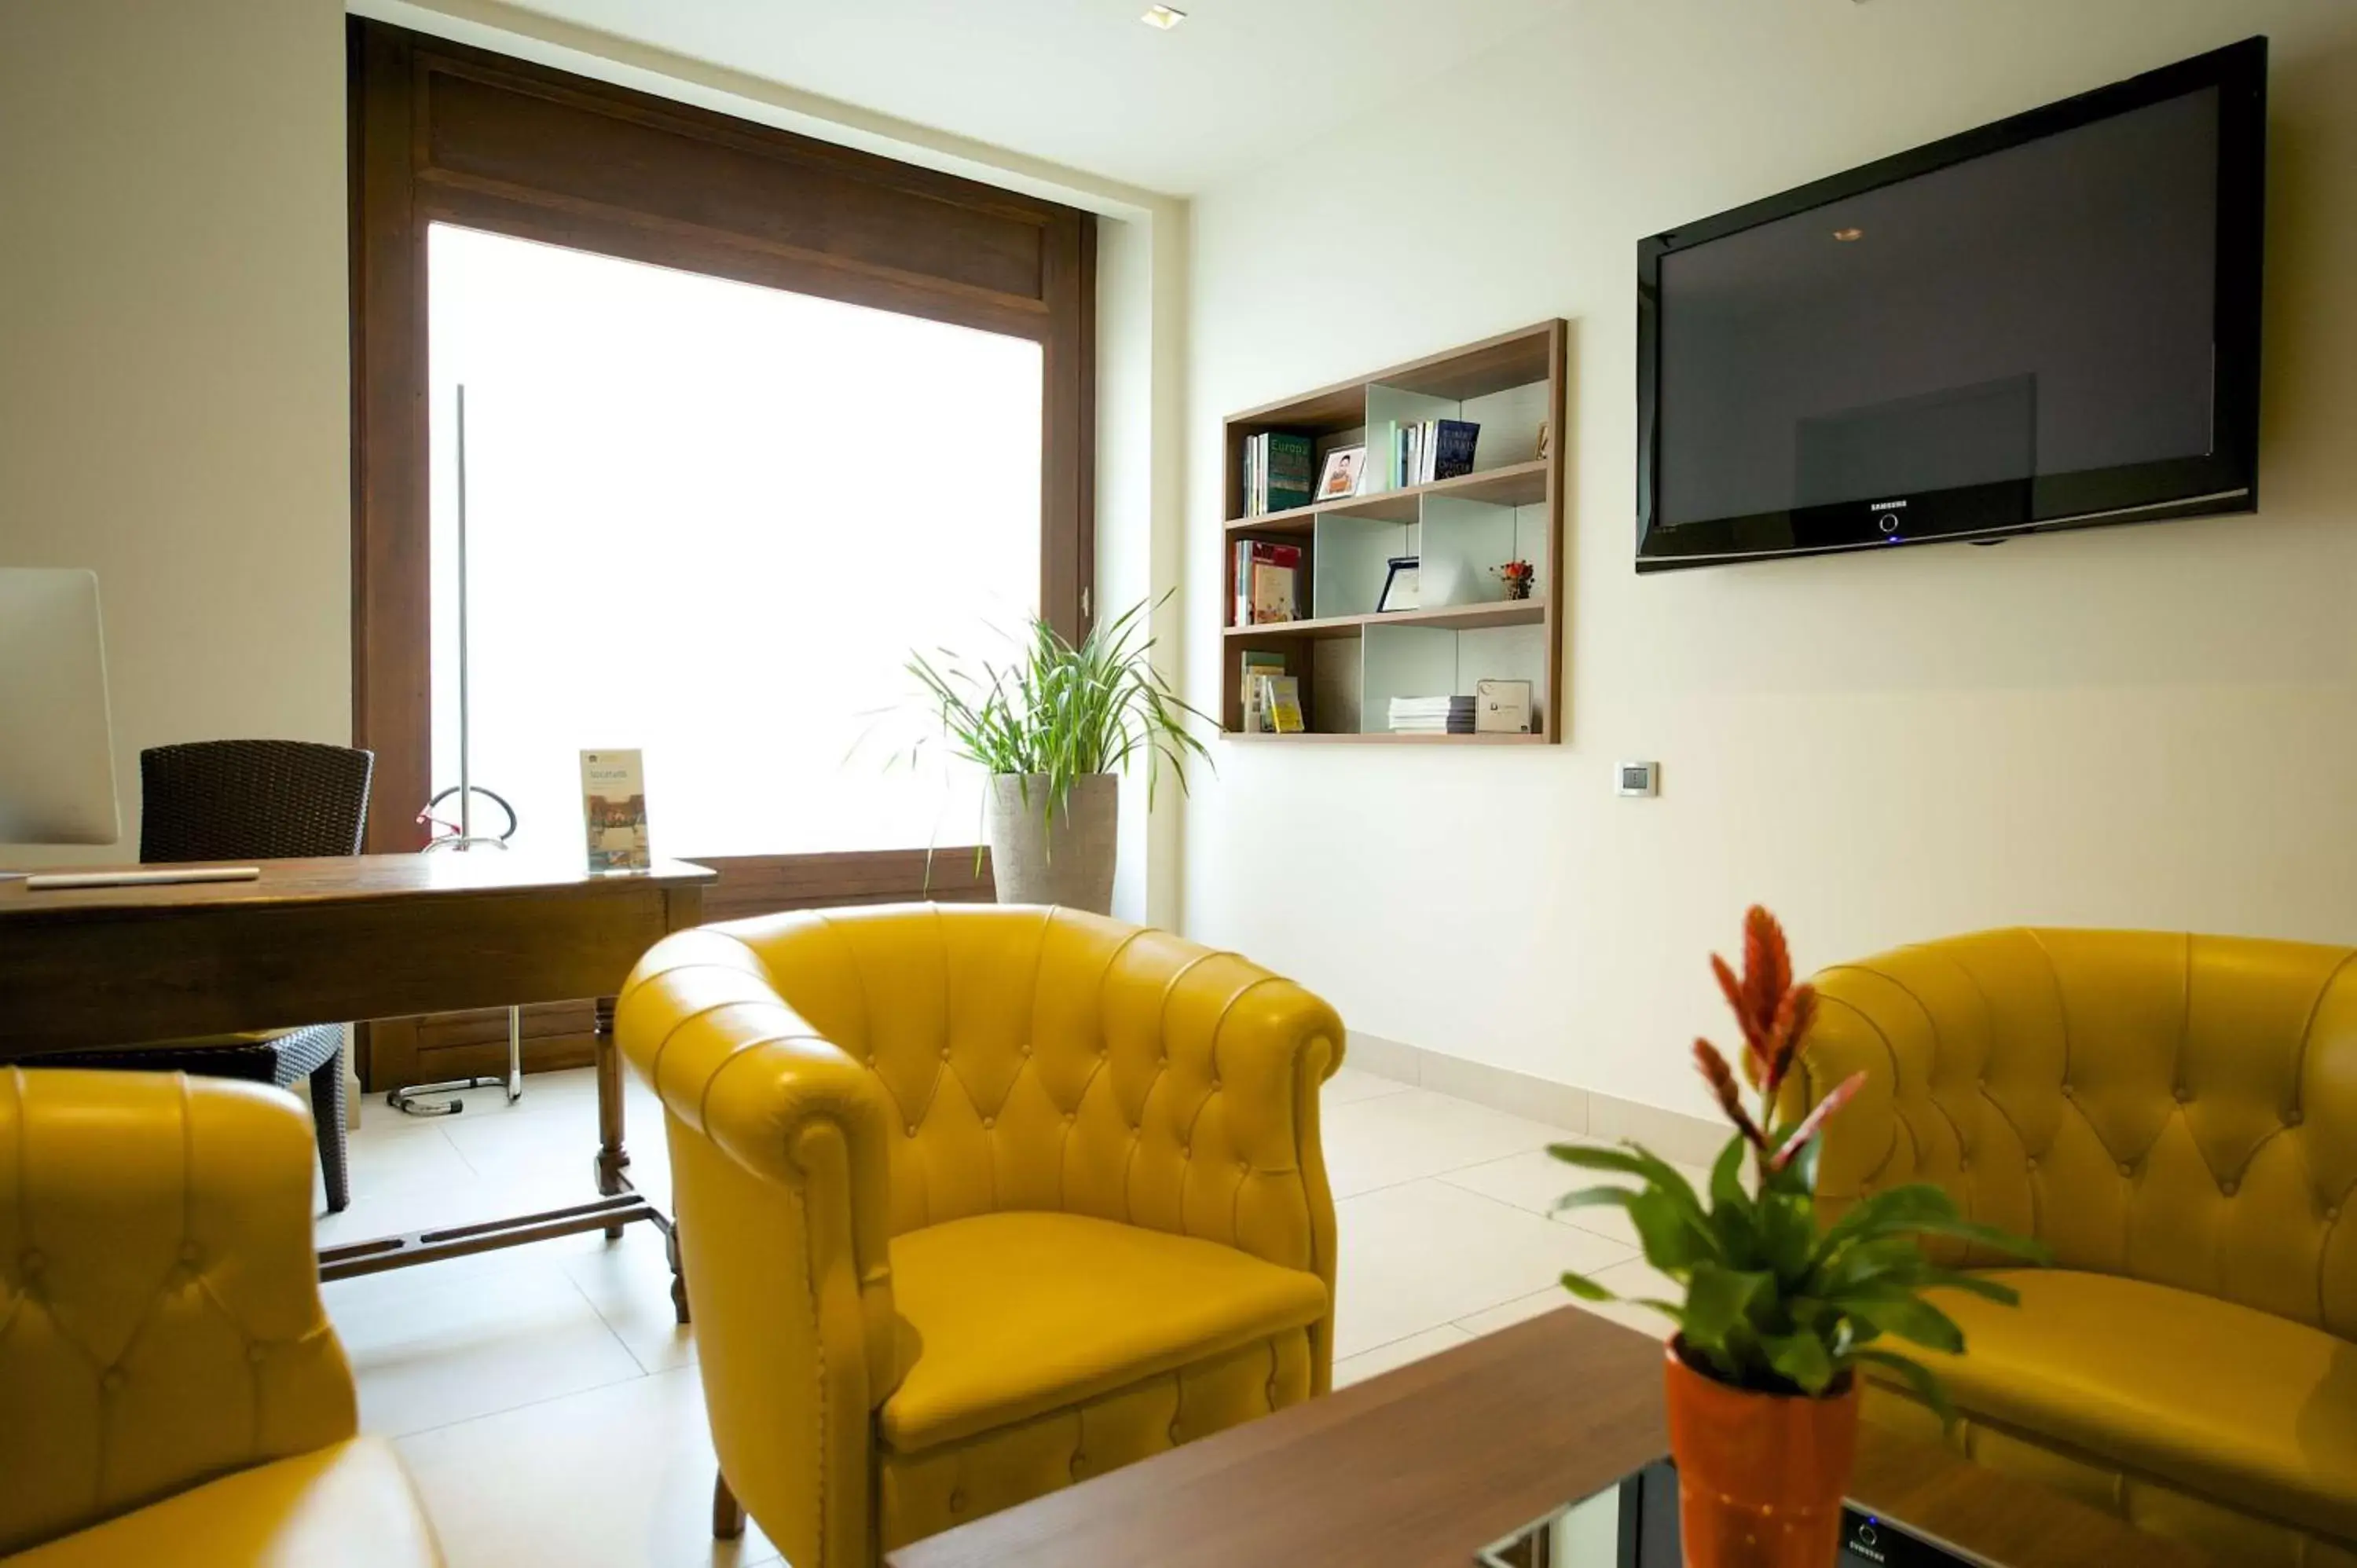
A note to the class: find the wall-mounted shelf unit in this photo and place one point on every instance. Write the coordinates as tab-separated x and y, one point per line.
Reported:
1348	658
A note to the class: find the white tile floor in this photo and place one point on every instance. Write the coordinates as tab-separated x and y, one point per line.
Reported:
549	1406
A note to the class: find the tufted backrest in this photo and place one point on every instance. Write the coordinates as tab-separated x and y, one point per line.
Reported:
2176	1109
160	1321
1047	1059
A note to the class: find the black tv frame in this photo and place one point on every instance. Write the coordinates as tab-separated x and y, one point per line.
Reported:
2225	482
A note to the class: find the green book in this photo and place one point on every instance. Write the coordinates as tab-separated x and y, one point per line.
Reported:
1288	476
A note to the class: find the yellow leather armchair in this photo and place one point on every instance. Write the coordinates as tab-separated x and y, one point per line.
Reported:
2176	1116
976	1202
170	1390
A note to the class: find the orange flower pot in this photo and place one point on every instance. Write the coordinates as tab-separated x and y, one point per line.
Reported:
1761	1477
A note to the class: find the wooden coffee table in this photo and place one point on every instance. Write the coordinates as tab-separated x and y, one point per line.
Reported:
1429	1465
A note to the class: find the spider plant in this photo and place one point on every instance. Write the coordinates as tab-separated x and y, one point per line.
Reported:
1057	712
1774	1302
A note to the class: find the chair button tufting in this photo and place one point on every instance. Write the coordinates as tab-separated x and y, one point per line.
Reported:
2032	1163
2126	1169
110	1379
912	1129
1069	1118
1173	1431
2332	1215
946	1053
1245	1166
31	1263
257	1352
1078	1461
2183	1094
957	1502
2292	1117
988	1122
189	1253
2228	1186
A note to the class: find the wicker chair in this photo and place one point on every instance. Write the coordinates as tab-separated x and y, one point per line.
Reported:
254	800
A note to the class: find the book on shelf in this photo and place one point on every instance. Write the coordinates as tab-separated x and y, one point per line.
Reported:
1279	472
1257	662
1434	449
1280	704
1268	582
1433	715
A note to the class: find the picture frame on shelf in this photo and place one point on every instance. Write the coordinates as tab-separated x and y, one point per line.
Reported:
1402	585
1345	471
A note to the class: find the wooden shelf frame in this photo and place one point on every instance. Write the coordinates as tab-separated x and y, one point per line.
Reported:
1511	363
1449	617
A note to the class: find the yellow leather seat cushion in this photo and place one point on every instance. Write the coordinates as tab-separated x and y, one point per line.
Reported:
349	1504
1014	1315
2238	1405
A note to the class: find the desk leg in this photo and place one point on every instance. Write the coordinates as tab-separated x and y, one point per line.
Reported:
612	1158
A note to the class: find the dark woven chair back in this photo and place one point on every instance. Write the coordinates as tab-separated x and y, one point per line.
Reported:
251	800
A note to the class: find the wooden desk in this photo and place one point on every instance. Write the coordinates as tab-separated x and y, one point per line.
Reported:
1423	1467
360	937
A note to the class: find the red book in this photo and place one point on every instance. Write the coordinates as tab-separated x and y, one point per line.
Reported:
1268	582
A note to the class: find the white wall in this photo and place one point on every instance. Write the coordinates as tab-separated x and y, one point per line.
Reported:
174	398
2152	725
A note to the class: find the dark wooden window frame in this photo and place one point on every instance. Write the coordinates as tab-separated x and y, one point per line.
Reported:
440	132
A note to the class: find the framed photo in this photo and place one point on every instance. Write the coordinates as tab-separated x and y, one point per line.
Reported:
1402	584
1345	467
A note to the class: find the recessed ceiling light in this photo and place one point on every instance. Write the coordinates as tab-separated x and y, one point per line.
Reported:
1847	235
1163	16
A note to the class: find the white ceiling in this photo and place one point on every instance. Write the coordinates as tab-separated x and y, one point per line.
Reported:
1084	82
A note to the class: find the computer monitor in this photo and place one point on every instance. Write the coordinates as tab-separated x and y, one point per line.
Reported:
56	747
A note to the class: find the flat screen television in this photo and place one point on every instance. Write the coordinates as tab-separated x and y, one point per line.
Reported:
2049	322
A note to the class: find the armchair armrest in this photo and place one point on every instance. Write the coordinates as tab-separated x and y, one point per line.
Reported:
777	1146
160	1322
1220	1063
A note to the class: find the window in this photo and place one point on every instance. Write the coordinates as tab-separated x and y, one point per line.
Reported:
938	333
709	519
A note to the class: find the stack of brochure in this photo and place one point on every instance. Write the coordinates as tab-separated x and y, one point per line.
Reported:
1432	715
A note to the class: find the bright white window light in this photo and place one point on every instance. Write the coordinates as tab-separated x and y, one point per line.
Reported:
1163	16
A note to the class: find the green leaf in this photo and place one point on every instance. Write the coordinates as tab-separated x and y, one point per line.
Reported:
1899	1208
1675	1235
1919	1378
1909	1317
1801	1358
1718	1300
1788	1236
1995	1239
1595	1198
1726	1174
1586	1289
1879	1262
1977	1285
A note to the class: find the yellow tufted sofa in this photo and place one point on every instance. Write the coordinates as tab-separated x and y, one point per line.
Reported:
2176	1116
976	1202
170	1390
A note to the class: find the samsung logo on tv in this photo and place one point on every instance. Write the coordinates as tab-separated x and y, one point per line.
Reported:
1884	506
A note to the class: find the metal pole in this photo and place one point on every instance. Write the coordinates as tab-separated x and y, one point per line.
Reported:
412	1101
466	670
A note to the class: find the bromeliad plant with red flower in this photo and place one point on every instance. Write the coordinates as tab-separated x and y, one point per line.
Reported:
1773	1303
